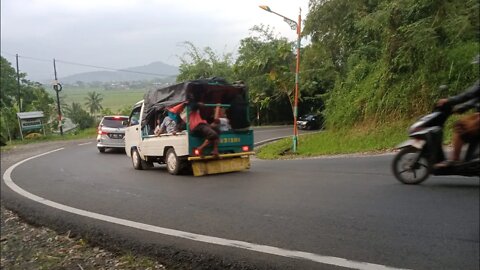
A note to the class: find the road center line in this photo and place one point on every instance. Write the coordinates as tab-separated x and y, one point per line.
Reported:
186	235
268	130
84	143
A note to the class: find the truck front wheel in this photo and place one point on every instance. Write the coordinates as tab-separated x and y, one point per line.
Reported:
138	162
173	162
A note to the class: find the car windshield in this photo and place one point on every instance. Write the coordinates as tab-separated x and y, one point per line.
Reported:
308	117
113	122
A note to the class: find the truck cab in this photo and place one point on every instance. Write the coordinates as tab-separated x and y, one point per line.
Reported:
179	150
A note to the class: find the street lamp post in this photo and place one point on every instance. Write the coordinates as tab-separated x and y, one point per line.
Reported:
295	26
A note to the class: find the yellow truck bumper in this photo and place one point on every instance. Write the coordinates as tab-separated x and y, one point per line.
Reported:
222	165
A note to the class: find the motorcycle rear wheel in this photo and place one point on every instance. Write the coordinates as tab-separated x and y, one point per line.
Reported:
406	170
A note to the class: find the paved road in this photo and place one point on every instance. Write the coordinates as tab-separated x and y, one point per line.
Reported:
325	213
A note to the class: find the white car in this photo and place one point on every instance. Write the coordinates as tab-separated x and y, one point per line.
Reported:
111	132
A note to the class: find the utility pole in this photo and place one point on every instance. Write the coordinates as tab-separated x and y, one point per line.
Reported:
58	87
19	100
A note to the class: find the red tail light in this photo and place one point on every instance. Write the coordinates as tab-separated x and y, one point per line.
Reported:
101	132
245	148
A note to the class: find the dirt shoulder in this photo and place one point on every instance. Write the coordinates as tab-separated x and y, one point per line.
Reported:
26	246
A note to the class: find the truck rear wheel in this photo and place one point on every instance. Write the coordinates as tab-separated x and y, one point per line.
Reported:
173	162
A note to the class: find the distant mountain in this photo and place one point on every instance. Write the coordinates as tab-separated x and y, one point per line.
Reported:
155	70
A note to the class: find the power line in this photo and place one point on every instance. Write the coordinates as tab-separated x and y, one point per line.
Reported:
11	54
108	68
86	65
28	57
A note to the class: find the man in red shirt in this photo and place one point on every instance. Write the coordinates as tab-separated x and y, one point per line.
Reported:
200	127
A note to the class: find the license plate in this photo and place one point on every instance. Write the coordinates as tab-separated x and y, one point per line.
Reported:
115	135
229	140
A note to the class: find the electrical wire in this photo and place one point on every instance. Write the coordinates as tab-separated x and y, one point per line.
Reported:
108	68
85	65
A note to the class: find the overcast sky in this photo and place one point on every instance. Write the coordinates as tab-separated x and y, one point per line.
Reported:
126	33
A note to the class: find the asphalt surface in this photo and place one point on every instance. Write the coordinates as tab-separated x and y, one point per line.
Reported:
344	207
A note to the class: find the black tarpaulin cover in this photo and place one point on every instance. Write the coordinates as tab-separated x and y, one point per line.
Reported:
209	91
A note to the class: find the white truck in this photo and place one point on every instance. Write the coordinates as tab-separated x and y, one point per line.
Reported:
179	151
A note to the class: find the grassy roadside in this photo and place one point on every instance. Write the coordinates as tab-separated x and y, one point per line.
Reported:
359	139
82	134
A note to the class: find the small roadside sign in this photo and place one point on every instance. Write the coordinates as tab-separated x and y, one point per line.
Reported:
30	121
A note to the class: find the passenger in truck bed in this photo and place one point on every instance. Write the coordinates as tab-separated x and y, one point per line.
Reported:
171	124
220	121
166	126
200	127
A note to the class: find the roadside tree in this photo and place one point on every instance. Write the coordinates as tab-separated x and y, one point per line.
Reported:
33	97
267	64
79	116
202	64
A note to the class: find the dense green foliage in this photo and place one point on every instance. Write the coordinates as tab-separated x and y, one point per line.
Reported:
79	116
389	57
197	64
368	60
33	97
267	65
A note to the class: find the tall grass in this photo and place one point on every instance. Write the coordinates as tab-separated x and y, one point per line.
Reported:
364	138
372	92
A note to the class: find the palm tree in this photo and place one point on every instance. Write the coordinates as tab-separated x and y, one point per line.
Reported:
93	102
72	111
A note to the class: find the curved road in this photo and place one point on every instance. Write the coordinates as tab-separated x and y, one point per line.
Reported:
324	213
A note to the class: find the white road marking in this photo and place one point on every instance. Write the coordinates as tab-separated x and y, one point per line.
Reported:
7	178
85	143
269	140
268	130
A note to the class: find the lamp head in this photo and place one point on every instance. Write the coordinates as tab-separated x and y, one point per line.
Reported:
266	8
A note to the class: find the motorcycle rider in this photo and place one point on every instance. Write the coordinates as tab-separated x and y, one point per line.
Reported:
467	129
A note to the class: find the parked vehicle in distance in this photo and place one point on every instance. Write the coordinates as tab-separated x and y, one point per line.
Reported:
111	132
310	121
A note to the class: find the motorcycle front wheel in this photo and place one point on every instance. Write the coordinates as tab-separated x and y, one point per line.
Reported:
408	168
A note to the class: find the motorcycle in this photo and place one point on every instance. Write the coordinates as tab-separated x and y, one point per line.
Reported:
415	161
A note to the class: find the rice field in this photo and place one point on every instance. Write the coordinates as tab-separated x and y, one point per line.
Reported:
115	100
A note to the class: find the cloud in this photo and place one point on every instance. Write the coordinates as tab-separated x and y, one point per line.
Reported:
124	33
